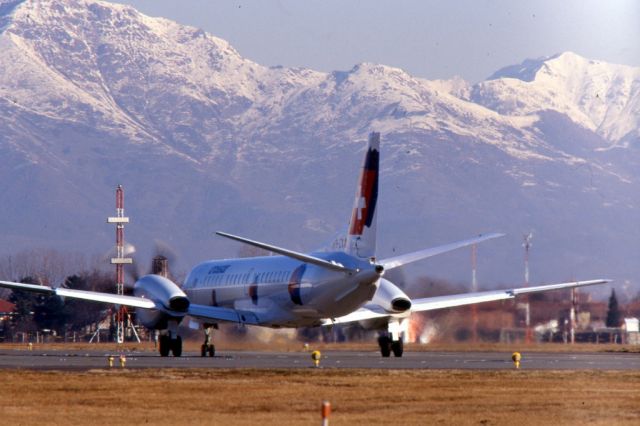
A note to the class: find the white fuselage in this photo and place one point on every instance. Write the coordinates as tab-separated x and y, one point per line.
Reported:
282	291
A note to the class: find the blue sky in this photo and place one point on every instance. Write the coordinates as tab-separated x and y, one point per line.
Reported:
431	39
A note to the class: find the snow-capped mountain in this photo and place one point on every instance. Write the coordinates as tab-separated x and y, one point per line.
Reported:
601	97
94	94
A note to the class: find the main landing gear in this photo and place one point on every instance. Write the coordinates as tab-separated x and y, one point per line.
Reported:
208	348
390	340
168	345
169	341
387	346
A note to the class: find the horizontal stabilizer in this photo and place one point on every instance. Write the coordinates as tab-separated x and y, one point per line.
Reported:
404	259
289	253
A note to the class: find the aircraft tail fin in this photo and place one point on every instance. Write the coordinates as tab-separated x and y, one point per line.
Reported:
361	237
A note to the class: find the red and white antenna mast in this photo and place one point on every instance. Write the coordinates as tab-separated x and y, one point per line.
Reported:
119	220
527	246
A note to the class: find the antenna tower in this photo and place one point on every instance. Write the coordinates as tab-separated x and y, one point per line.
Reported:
527	246
119	220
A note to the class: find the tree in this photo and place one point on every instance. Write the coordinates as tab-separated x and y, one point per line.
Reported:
613	314
25	302
49	314
82	313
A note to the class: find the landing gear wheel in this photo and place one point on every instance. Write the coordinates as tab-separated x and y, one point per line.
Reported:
207	350
176	346
385	346
164	343
397	347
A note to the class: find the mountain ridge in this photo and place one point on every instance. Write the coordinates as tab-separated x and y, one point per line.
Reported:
94	94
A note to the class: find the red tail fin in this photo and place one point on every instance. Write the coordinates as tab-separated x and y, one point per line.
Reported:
361	240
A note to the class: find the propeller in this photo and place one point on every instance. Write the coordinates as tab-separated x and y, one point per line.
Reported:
163	256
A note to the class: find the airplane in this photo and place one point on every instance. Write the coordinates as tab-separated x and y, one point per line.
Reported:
342	284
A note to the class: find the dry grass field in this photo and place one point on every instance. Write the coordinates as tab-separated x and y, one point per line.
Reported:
293	397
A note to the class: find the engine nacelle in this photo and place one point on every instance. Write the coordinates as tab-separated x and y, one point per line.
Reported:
164	292
391	298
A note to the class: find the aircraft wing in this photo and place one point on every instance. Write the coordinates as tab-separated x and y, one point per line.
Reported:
367	312
202	312
371	311
450	301
394	262
133	301
215	313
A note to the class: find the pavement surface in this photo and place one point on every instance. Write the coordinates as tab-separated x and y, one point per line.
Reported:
87	360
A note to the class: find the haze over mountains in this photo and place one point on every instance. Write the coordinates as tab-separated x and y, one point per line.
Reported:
94	94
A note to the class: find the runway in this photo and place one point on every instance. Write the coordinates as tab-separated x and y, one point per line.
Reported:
87	360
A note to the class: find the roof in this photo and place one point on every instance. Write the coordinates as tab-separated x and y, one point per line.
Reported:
6	306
